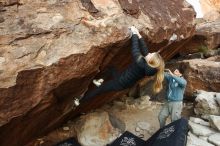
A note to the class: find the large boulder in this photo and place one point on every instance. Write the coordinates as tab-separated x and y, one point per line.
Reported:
207	29
210	9
201	74
206	38
96	129
206	104
51	50
210	32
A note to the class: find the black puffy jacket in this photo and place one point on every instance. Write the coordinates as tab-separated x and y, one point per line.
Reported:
139	68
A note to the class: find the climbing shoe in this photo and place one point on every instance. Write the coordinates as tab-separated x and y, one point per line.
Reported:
76	102
98	82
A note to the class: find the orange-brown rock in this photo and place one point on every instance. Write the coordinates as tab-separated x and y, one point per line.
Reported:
51	50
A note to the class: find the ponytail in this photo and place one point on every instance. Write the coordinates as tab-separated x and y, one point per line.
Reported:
158	84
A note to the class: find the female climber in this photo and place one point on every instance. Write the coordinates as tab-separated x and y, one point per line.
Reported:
148	64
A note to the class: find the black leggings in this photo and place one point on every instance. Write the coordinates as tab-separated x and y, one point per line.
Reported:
112	85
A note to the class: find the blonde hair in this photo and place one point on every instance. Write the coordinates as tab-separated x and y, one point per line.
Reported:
156	61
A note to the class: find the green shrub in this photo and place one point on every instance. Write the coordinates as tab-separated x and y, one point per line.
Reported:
203	49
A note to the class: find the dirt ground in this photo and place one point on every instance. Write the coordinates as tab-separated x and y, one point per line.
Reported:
146	112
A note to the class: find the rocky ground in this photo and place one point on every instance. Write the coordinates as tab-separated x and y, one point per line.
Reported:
205	129
138	116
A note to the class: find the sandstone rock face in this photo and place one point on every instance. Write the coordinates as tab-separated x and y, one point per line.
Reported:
206	37
210	9
210	31
51	50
